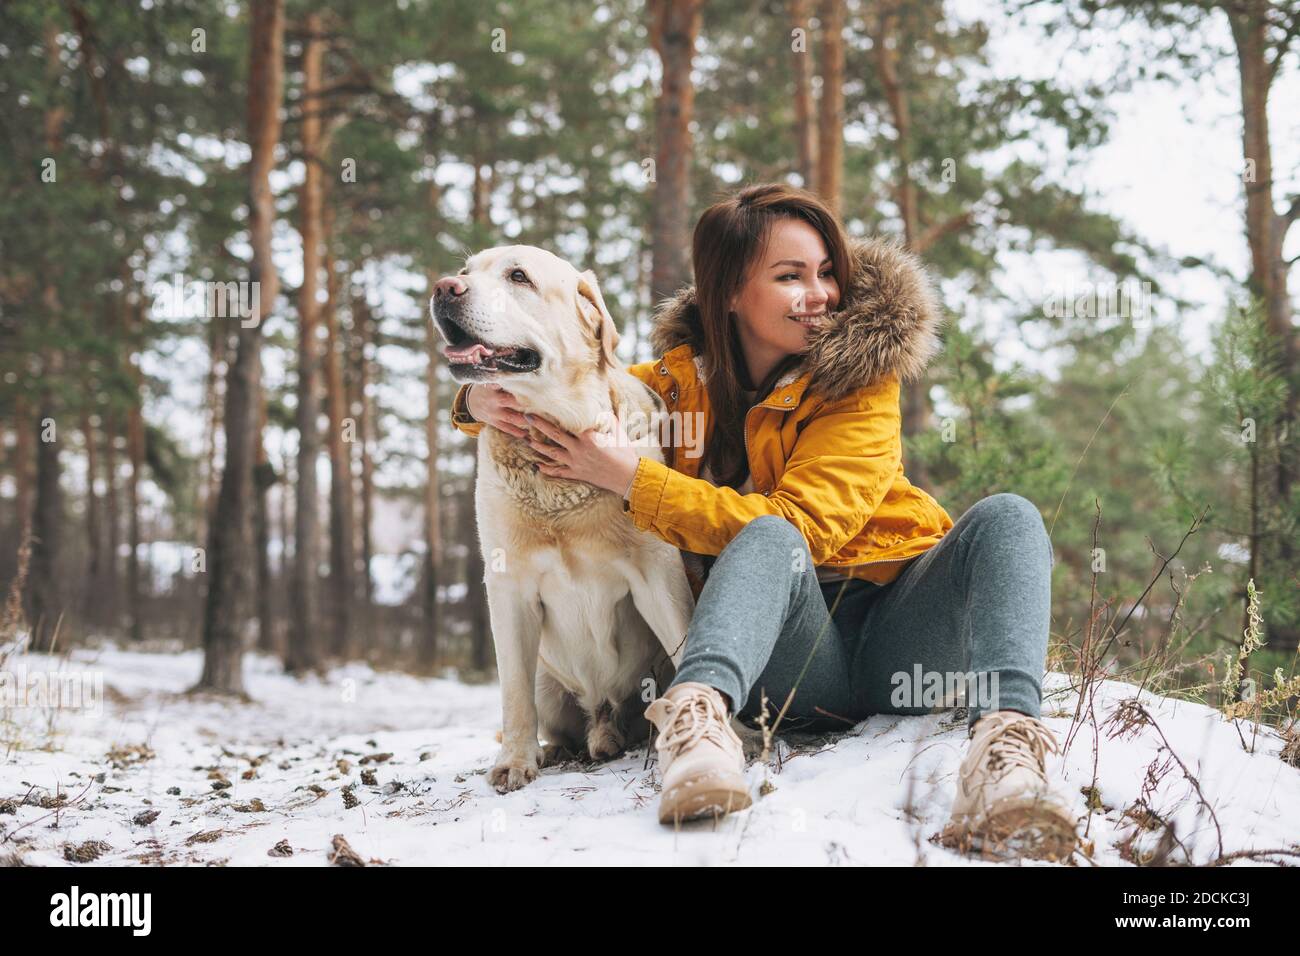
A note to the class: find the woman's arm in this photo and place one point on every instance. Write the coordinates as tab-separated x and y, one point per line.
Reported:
840	469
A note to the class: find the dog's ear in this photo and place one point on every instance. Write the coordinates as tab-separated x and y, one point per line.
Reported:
606	332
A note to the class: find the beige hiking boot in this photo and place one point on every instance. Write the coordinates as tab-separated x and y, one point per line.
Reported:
700	756
1004	803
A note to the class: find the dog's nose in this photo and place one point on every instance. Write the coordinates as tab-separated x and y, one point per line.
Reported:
450	286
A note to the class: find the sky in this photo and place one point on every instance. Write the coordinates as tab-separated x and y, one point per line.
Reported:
1171	168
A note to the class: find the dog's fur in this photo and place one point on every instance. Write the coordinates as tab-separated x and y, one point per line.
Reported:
572	585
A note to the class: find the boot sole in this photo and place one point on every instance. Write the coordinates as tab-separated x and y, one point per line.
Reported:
681	804
1034	831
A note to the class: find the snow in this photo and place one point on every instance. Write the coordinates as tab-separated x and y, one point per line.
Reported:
877	794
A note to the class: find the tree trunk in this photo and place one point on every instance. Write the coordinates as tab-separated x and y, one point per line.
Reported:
24	462
805	131
481	190
135	451
283	569
217	344
46	603
113	606
830	120
230	540
886	39
263	480
1265	233
674	26
1265	228
304	650
342	530
94	539
363	336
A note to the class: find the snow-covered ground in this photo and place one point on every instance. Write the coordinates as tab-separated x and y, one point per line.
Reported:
397	765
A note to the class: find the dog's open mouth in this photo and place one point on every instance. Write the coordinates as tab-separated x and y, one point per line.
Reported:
466	351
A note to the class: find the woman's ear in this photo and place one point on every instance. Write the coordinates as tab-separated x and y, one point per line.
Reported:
606	332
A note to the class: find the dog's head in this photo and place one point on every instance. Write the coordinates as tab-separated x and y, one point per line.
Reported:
517	314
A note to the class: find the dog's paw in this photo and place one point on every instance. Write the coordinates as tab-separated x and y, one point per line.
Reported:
515	770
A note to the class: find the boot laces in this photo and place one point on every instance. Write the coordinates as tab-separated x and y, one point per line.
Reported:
1021	743
699	716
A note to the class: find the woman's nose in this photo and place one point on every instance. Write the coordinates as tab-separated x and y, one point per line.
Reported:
816	296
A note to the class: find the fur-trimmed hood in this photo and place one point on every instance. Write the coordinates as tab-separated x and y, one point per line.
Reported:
888	321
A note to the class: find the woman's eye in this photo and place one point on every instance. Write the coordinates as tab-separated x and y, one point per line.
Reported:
518	275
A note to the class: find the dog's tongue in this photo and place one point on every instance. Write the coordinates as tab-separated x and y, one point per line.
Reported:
468	354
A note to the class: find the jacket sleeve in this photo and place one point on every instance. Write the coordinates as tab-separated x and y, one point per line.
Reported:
460	416
839	471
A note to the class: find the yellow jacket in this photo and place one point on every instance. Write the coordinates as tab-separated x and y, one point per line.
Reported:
825	446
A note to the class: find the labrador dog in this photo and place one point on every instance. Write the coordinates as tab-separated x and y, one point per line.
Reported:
583	606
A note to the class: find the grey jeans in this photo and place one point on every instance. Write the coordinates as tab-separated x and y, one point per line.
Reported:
969	615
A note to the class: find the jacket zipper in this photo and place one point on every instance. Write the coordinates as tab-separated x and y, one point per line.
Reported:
745	431
862	564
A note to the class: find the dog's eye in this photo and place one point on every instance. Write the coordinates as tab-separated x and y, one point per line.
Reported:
518	275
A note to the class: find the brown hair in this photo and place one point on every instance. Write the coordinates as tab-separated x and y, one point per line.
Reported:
728	238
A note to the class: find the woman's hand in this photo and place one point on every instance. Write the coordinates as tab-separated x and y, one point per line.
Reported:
491	404
593	456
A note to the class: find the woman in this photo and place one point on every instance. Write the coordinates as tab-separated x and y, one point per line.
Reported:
791	349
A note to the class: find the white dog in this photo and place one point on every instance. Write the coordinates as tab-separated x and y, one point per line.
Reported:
571	583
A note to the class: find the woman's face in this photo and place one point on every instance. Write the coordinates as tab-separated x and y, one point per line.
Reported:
789	289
